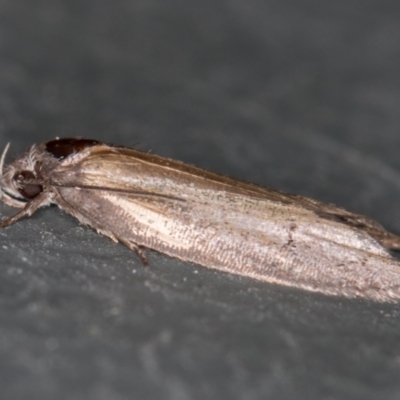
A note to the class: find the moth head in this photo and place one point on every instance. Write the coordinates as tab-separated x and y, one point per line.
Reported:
18	180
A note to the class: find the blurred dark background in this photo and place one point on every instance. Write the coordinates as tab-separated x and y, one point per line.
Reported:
301	96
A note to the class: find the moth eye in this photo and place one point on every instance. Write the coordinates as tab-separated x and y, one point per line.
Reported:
62	148
27	190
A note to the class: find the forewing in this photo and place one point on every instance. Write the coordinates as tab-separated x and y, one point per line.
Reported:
143	174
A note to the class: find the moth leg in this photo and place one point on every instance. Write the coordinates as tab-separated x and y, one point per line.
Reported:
137	249
41	200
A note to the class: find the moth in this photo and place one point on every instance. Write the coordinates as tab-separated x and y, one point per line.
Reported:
147	201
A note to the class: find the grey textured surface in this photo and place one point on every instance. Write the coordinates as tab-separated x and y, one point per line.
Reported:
301	96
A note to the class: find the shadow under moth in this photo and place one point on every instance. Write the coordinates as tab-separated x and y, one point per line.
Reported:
147	201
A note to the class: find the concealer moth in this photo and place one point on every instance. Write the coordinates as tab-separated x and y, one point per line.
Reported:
147	201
